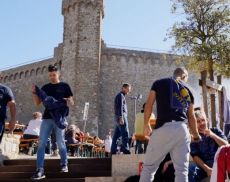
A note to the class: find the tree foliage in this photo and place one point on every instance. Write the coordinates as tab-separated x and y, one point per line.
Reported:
203	35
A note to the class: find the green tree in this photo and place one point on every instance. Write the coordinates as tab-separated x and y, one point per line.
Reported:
203	37
204	34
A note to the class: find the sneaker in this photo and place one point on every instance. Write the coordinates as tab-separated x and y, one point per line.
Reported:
64	169
39	174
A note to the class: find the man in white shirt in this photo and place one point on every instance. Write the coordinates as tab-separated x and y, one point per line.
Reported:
33	129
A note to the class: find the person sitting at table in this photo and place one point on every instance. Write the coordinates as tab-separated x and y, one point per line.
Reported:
31	133
203	152
70	136
33	129
79	135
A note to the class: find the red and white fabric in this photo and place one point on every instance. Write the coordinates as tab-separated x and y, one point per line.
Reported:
221	166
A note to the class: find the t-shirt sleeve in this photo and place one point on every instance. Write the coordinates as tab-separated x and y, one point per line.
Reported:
194	149
155	86
219	133
9	95
191	96
69	92
44	88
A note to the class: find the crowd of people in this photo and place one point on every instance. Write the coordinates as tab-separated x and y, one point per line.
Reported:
178	131
56	96
76	141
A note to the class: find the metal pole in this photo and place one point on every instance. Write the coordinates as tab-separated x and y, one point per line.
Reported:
135	107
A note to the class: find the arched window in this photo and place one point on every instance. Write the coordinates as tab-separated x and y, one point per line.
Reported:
38	71
26	73
21	75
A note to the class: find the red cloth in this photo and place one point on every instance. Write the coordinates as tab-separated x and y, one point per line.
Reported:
223	163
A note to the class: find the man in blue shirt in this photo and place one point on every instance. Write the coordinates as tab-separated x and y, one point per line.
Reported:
121	120
203	152
6	100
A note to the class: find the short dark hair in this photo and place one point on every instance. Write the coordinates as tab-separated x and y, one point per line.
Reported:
52	68
134	178
178	72
197	109
126	85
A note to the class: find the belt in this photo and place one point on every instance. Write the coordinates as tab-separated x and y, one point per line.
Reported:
184	121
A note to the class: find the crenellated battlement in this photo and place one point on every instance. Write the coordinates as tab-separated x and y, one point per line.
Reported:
66	4
137	56
28	71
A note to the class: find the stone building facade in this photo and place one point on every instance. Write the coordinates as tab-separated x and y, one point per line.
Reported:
94	71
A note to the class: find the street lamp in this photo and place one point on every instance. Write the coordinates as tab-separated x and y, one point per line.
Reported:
136	98
85	115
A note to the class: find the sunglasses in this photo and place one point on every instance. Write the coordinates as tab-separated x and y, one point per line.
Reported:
197	109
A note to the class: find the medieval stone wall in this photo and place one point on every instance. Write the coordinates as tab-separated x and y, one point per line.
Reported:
94	74
138	68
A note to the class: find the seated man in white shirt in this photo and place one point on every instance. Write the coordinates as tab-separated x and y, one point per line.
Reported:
33	129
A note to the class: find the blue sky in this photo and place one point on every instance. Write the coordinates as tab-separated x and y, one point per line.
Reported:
31	29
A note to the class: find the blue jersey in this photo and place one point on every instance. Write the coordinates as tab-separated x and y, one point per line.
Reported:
6	96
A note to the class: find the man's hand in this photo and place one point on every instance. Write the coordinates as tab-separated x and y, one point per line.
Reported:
208	171
11	126
121	121
36	99
195	138
69	101
220	141
166	165
33	89
208	132
147	130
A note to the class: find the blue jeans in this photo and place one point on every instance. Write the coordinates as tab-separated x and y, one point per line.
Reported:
138	148
53	141
196	173
45	131
123	132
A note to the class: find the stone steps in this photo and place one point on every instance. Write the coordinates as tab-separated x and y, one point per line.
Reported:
19	170
48	180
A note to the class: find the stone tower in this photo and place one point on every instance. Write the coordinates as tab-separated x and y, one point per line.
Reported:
81	57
